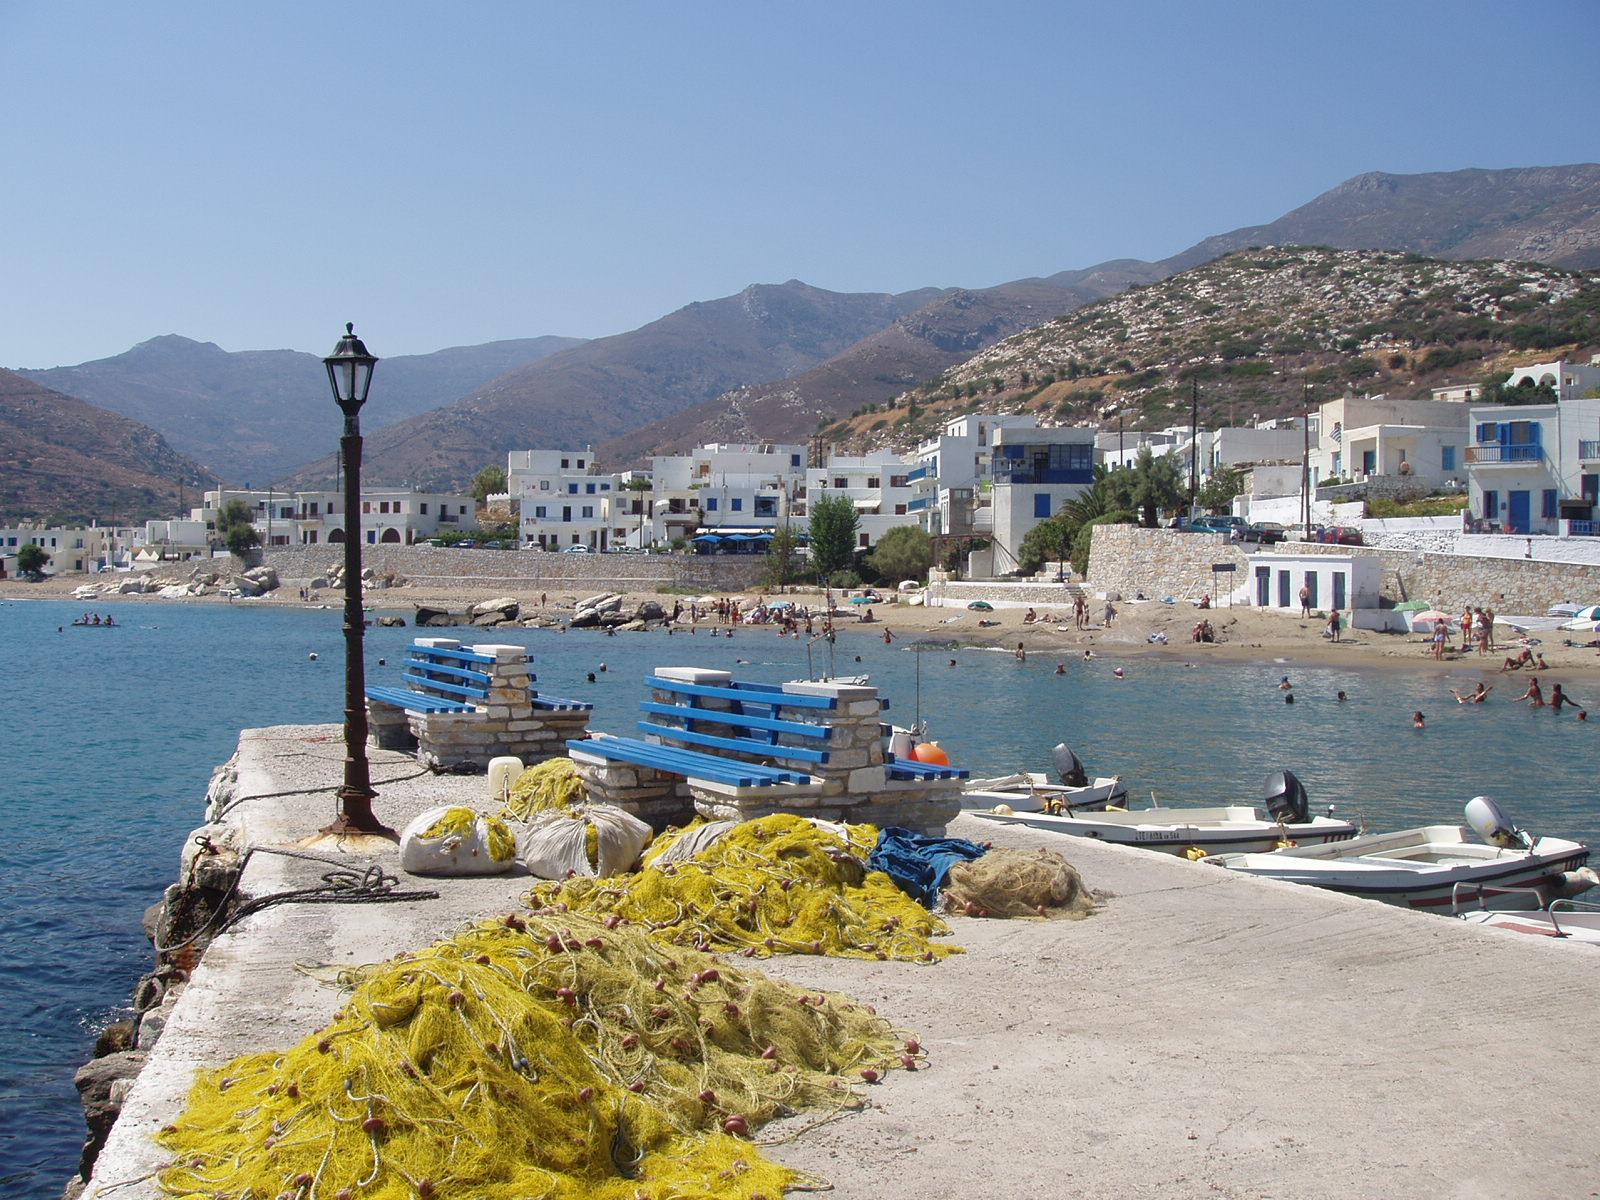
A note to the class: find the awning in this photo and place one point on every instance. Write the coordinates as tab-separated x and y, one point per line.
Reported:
706	537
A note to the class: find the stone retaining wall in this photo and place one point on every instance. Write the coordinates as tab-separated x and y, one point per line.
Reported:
1164	562
529	569
1001	594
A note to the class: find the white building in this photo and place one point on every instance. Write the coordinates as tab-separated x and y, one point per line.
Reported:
725	489
564	500
1341	581
879	485
1535	468
950	474
1355	438
72	548
1569	380
1034	472
1211	449
310	518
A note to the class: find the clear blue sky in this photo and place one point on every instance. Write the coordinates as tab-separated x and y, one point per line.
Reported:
257	174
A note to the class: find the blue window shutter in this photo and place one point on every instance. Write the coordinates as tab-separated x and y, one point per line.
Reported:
1041	504
711	504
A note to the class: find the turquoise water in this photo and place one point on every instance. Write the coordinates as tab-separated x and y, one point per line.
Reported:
110	737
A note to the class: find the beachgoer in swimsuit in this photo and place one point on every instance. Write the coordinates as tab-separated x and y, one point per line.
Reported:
1558	698
1533	695
1418	721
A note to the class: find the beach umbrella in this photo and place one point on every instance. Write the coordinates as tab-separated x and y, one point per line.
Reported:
1411	606
1432	614
707	537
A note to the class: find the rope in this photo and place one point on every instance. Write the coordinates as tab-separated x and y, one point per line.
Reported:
343	885
310	791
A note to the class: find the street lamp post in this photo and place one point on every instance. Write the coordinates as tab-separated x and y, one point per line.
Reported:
350	374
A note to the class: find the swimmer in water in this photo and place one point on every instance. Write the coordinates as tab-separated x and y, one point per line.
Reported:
1478	696
1341	697
1418	721
591	676
1061	668
952	662
1284	685
1288	698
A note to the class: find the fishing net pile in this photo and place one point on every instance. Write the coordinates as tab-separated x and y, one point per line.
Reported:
551	786
533	1058
1017	883
777	885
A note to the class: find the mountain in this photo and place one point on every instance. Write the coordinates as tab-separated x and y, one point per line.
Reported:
64	460
913	348
1547	215
606	387
1534	214
255	414
1250	330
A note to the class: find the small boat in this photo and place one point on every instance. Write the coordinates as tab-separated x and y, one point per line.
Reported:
1573	921
1428	867
1198	832
96	625
1031	791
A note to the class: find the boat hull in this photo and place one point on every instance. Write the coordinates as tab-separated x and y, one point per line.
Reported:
1148	831
1025	798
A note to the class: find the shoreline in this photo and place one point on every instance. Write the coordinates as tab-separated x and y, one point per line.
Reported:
1248	636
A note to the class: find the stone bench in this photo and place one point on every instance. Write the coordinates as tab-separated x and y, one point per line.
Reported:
464	705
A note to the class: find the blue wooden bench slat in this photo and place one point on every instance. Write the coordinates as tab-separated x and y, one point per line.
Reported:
741	692
687	763
415	701
445	652
561	704
455	689
713	716
423	664
744	745
900	768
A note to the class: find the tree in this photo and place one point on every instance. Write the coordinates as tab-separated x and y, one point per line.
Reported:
781	554
31	560
236	529
1219	490
1156	486
487	482
1048	541
905	552
833	534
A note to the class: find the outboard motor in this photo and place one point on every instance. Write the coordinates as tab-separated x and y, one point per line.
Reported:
1493	826
1069	767
1285	798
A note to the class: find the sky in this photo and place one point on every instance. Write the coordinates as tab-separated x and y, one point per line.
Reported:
255	175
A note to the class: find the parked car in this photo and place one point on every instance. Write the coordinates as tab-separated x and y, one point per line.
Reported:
1204	524
1340	535
1267	533
467	544
576	548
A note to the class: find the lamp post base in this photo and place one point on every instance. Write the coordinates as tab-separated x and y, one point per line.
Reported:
356	818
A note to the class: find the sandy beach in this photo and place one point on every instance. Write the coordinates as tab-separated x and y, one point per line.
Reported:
1244	634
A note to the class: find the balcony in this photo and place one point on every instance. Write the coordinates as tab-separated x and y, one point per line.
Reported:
1589	451
919	473
1498	455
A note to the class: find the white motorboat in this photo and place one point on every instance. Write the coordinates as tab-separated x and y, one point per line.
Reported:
1571	921
1198	832
1429	867
1032	791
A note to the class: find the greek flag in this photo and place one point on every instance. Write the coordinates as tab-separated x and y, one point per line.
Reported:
1338	432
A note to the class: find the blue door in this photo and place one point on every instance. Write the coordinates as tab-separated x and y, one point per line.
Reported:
1283	589
1517	522
1263	586
1338	589
1491	506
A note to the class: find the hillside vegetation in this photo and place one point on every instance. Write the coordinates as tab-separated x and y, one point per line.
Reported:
1251	330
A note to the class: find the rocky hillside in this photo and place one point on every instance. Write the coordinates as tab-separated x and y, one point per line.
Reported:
1250	330
609	386
254	414
64	460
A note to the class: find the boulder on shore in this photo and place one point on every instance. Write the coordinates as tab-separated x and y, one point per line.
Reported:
506	606
434	618
392	622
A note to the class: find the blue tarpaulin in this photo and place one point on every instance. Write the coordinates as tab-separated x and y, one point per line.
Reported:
919	863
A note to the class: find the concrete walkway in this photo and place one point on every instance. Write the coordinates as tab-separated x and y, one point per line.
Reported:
1203	1034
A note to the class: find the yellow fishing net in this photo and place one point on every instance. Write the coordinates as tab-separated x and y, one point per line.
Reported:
462	823
777	885
553	784
533	1058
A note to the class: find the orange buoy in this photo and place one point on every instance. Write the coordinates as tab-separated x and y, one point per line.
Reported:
930	753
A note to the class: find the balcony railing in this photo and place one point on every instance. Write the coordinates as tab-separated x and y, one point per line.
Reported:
1583	528
919	473
1589	450
1497	454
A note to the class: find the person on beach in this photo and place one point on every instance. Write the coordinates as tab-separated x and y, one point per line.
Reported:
1539	663
1466	629
1333	625
1481	627
1478	696
1029	617
887	637
1559	698
1438	639
1533	695
1305	599
1418	721
1087	655
1517	662
1021	654
1111	613
1487	623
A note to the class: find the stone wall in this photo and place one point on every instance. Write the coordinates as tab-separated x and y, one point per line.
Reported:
529	569
1163	562
1001	594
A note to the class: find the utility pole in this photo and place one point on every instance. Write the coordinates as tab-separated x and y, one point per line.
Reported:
1194	440
1305	457
1121	462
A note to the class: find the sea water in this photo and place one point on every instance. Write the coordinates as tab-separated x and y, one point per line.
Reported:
109	736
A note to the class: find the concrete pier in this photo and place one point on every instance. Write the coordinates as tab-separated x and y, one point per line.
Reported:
1202	1034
